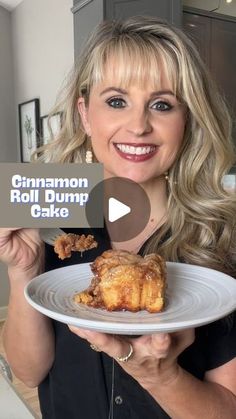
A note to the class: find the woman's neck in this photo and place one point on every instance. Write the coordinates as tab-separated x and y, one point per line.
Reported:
157	194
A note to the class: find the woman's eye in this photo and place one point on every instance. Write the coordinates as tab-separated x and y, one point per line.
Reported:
162	106
116	102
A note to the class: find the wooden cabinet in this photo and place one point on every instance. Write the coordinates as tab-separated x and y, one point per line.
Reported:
88	13
215	38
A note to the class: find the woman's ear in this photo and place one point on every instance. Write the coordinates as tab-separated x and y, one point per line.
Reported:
83	111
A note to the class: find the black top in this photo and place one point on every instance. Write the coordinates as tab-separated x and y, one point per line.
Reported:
79	383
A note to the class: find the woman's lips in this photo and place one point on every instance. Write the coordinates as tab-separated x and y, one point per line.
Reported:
134	152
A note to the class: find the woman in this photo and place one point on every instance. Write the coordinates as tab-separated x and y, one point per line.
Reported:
140	89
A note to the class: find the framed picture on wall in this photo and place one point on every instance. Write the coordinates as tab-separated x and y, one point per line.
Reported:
55	124
29	128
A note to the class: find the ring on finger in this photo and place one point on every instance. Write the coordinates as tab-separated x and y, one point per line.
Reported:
126	357
95	348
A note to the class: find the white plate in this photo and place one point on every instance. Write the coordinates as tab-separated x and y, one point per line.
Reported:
195	296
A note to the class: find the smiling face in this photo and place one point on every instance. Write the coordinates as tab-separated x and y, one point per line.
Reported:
136	131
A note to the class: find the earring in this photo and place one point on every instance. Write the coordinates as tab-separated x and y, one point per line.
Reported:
89	156
166	176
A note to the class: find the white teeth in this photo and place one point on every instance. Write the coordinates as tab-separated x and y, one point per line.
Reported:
135	150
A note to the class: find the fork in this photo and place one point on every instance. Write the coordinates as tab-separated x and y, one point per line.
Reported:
49	235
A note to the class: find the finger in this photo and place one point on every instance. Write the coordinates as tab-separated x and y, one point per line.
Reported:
32	233
112	345
98	339
83	333
165	345
89	335
160	345
8	230
5	233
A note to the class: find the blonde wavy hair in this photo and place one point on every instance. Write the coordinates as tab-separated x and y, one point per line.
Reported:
201	215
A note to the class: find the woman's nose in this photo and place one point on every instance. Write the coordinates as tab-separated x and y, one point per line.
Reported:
139	123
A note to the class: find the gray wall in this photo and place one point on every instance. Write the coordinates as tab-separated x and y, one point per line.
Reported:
8	146
43	49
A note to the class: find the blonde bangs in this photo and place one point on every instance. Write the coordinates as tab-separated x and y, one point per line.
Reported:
130	62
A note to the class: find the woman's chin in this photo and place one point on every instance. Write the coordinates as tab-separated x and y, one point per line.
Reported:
138	176
135	178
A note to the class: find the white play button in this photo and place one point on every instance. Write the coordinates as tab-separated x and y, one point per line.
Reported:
125	206
117	210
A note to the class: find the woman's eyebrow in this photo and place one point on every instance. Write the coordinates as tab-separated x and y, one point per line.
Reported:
162	92
116	89
122	91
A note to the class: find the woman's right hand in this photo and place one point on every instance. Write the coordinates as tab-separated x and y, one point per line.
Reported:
25	328
21	249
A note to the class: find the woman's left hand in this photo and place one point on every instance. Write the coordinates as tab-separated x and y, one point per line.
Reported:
154	357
